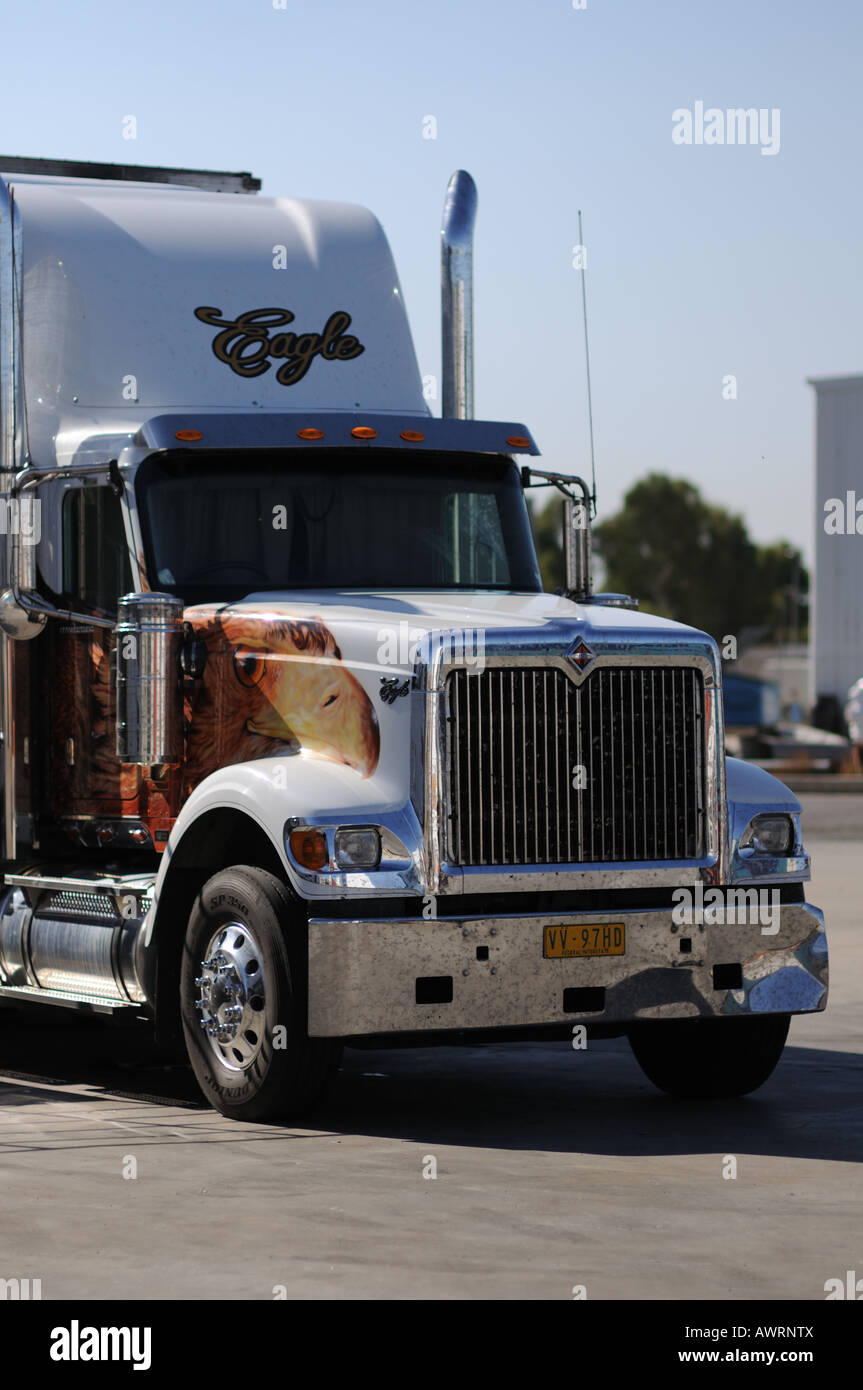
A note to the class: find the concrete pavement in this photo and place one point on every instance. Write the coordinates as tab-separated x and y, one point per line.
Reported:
555	1168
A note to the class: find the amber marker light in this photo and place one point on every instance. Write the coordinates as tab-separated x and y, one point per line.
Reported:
364	432
412	436
309	848
310	434
517	441
188	436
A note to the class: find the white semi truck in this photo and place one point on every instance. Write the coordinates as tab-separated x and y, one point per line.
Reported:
296	752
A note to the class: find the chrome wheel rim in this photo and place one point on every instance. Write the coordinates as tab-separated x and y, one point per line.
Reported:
232	997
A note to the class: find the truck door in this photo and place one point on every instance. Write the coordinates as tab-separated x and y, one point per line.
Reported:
84	777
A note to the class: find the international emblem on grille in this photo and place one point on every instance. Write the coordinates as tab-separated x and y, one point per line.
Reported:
580	655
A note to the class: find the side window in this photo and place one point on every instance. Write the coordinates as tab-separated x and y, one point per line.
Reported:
96	569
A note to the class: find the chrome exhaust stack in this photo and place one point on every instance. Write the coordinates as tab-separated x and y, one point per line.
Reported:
459	215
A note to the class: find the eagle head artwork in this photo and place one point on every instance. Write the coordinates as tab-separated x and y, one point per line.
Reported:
270	682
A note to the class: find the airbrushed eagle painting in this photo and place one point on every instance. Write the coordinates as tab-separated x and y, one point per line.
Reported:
271	683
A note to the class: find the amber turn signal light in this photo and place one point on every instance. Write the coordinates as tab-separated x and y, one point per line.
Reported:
309	848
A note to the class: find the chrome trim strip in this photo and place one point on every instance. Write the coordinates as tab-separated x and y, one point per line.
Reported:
140	885
399	874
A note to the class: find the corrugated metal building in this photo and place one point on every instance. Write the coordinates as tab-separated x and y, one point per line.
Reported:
837	610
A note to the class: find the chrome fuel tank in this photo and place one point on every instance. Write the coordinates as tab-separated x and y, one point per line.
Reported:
70	941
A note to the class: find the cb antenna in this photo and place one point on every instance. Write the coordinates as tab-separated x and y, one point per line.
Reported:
581	248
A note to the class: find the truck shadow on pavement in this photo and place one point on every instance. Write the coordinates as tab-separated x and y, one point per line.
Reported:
552	1099
530	1096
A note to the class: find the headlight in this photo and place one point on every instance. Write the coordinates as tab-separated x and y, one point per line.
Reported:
358	849
769	835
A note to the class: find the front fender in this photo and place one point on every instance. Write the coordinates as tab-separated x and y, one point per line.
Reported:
271	791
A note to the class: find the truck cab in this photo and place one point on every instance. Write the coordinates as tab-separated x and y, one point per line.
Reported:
296	752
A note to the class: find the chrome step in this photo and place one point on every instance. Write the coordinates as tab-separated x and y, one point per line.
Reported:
139	884
87	1003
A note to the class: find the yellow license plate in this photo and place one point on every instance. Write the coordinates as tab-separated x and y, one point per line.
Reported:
597	939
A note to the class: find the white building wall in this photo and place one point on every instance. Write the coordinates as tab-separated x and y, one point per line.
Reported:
789	666
837	612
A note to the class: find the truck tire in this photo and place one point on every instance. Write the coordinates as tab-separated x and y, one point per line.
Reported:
710	1058
243	977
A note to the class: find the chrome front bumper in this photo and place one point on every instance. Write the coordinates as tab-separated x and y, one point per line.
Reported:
364	976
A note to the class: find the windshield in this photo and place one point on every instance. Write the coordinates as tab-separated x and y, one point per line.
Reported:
221	525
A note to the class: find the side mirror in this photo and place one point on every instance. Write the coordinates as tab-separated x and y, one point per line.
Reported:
577	548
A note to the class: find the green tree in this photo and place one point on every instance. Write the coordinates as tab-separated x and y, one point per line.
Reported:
685	559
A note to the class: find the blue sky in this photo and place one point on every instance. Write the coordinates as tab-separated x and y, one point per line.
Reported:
703	260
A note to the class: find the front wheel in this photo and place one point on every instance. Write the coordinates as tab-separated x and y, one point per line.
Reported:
709	1058
243	1000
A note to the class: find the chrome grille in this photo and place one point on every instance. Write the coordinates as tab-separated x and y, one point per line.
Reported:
517	737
